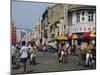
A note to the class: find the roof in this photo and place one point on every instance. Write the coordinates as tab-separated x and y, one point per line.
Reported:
79	7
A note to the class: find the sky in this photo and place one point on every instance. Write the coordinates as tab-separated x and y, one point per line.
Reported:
26	14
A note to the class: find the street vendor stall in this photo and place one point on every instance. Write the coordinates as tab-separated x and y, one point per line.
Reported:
60	40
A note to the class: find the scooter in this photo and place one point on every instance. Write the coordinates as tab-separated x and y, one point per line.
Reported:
63	57
33	58
91	62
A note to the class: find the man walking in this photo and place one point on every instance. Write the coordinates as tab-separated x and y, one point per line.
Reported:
23	56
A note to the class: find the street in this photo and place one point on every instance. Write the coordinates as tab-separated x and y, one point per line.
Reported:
49	63
62	28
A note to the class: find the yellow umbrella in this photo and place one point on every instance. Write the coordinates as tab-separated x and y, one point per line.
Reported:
61	38
93	35
74	36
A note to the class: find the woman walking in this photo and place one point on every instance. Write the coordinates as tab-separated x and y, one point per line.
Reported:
44	48
23	56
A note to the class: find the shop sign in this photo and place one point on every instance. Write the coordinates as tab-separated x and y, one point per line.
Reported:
81	28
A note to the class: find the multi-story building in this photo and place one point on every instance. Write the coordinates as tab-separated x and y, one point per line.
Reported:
22	34
60	20
81	18
54	21
37	31
44	26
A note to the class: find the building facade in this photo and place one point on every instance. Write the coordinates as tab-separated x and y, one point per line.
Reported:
37	32
44	27
82	18
54	21
13	32
61	20
22	34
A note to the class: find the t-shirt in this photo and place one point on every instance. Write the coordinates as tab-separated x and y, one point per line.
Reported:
67	45
24	52
44	48
34	46
30	48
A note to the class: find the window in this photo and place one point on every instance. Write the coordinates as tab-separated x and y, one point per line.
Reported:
65	26
90	16
83	16
82	13
65	13
77	17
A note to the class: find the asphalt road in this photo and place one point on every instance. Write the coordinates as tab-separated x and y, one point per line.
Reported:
49	63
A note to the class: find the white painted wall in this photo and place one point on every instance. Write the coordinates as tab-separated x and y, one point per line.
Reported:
82	26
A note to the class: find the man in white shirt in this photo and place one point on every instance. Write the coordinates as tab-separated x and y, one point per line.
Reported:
24	55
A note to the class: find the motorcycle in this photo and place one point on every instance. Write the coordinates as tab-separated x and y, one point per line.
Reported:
62	57
33	58
90	62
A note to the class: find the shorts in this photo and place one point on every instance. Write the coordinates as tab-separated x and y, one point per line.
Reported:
23	60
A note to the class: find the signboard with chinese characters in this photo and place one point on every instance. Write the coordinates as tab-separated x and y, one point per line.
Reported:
81	28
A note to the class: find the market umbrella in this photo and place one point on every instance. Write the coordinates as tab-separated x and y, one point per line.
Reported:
93	34
61	38
51	40
86	35
70	36
75	36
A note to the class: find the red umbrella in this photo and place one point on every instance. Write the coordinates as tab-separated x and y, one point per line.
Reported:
86	35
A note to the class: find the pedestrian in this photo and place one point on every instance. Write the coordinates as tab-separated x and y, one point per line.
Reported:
23	56
30	49
44	48
79	55
59	55
64	54
69	50
89	59
73	49
13	49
